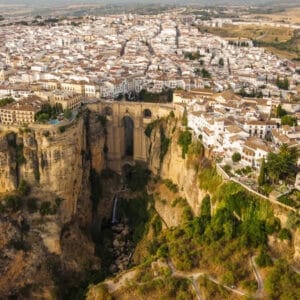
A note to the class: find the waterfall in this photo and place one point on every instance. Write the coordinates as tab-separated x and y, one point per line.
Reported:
114	219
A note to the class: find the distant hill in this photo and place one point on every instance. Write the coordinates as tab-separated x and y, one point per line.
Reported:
175	2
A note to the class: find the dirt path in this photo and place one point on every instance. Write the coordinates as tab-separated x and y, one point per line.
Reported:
195	275
260	284
115	284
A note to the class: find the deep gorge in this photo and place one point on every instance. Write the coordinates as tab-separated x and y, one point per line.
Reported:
69	243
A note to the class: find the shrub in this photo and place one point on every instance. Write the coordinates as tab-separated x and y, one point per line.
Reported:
6	101
209	179
263	259
13	202
164	144
170	185
228	278
150	127
156	225
187	214
163	251
31	204
206	207
184	140
227	169
179	201
282	282
272	225
284	234
67	113
45	208
24	188
293	220
62	129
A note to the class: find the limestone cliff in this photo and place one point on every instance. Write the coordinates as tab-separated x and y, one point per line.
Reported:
53	159
172	165
49	253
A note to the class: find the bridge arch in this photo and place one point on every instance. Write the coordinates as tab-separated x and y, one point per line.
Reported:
126	129
128	124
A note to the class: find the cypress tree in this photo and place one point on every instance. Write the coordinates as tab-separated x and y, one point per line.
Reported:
262	173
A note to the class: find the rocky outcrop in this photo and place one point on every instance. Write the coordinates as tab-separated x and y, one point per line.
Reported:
172	165
97	142
8	175
297	247
54	159
56	162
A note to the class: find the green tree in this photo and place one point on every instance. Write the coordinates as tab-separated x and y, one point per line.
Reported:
184	140
6	101
284	234
282	165
263	259
288	120
206	207
67	113
262	173
282	282
205	73
184	121
280	112
236	157
283	84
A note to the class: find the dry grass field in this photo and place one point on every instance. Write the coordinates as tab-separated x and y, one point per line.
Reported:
291	15
269	35
263	33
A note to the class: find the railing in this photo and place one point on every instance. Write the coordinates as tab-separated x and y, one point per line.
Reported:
225	176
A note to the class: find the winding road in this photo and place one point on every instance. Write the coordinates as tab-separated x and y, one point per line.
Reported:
193	276
114	284
260	284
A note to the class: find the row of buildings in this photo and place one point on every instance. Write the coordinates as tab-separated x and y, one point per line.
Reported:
227	123
109	56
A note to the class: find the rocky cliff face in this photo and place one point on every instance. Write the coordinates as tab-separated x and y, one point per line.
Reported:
172	165
54	160
56	163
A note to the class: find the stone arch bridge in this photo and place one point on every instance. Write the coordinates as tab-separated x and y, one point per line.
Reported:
127	121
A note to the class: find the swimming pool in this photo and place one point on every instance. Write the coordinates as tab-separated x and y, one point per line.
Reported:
54	122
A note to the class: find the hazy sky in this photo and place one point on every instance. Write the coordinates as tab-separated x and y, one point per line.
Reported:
180	2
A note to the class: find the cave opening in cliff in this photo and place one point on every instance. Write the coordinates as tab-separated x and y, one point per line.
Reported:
128	135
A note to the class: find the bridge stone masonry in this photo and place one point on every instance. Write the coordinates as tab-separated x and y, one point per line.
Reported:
126	124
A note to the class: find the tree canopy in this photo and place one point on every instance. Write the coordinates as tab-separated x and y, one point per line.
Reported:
282	165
